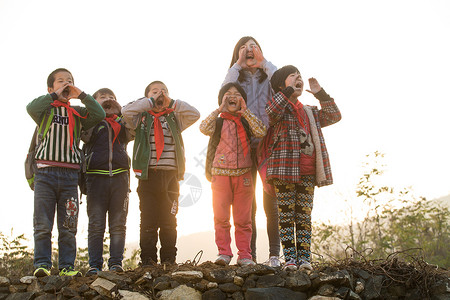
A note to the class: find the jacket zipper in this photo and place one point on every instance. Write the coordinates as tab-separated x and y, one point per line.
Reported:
110	149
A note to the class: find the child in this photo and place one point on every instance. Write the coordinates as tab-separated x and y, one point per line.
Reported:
253	72
58	159
298	159
158	161
107	182
228	168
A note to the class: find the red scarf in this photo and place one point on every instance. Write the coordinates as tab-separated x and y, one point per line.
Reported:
70	111
114	125
301	115
159	135
240	129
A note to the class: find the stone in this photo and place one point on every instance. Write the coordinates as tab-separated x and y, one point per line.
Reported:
127	295
298	281
3	296
258	269
273	293
55	283
35	287
162	283
27	279
147	277
362	274
68	292
182	292
114	277
372	289
17	288
4	281
212	285
229	287
91	294
221	275
187	276
323	298
440	287
214	294
237	296
353	296
237	280
46	297
83	288
359	287
201	286
326	290
103	286
342	292
397	290
249	283
5	290
21	296
269	280
334	278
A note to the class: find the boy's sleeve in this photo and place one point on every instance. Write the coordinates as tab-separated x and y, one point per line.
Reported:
257	127
132	110
38	106
94	111
186	114
208	125
329	112
233	74
276	106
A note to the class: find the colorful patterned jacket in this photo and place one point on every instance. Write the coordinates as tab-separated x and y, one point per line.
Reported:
285	143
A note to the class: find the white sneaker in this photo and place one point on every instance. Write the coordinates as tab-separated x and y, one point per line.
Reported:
223	260
290	265
303	264
274	262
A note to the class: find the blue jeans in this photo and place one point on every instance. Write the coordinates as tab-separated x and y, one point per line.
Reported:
55	189
107	195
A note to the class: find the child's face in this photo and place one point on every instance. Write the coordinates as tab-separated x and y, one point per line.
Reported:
250	56
295	80
156	92
61	78
109	104
232	100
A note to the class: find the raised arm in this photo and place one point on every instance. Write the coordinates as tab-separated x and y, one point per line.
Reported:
257	127
132	110
208	125
185	113
276	106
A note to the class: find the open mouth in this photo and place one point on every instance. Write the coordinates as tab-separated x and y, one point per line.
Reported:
249	55
107	104
232	102
65	92
299	85
159	101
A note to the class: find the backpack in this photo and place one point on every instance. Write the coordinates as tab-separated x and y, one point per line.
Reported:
38	136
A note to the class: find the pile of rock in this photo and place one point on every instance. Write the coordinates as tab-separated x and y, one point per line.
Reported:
208	281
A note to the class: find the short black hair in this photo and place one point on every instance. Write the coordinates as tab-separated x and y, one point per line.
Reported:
279	77
51	77
147	89
104	91
229	85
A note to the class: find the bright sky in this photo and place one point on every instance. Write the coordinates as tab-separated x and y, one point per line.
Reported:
386	63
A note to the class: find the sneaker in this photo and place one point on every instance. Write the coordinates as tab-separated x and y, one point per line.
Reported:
42	271
274	262
69	272
223	260
116	268
245	262
303	264
92	271
290	265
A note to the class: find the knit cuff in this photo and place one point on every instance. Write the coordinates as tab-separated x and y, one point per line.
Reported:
82	96
322	96
288	91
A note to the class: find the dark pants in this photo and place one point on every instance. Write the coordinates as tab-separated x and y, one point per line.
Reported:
107	194
271	210
158	202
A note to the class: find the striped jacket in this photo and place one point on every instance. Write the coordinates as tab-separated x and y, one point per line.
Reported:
284	144
55	148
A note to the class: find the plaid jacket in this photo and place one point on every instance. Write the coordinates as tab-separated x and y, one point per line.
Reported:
284	145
